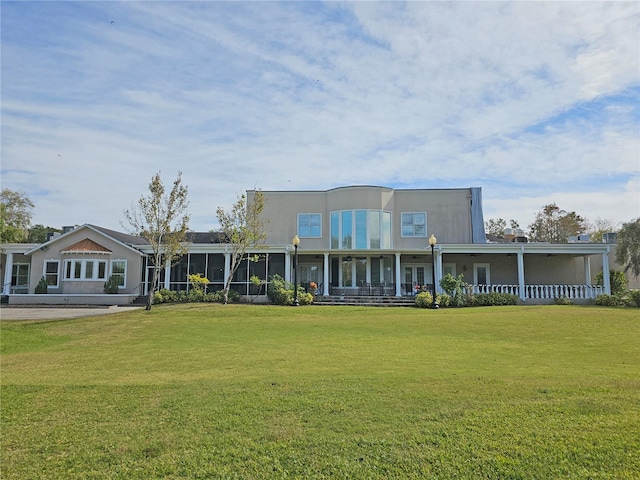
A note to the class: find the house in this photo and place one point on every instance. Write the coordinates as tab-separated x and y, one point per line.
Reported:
357	240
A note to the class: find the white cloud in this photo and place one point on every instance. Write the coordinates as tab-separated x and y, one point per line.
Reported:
534	101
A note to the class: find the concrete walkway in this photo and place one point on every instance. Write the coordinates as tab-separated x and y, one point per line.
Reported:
57	313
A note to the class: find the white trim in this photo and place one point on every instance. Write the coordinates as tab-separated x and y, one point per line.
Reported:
44	271
309	215
117	260
402	235
83	270
475	272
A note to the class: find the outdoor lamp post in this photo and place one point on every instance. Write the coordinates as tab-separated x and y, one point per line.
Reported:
432	242
296	242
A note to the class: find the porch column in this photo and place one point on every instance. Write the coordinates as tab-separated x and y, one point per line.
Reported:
8	268
587	270
227	266
605	272
325	276
167	275
438	271
398	277
523	293
145	262
287	266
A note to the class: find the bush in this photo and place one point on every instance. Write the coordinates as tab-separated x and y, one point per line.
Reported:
617	280
42	286
280	292
634	297
454	288
563	301
605	300
491	299
111	285
425	299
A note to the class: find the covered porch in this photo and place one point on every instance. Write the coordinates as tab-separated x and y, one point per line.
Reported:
537	272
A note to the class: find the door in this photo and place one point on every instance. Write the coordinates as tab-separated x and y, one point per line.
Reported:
413	276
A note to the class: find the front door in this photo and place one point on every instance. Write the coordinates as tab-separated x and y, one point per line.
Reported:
310	272
413	276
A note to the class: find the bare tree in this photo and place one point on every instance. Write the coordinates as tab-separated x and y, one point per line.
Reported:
599	227
243	228
161	219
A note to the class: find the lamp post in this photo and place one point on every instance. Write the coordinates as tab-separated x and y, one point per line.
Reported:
296	242
432	243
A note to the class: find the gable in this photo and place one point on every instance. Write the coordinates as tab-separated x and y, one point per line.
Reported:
86	246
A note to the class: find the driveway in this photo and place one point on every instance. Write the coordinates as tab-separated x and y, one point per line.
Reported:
57	313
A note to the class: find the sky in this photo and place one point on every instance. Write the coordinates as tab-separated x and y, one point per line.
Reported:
535	102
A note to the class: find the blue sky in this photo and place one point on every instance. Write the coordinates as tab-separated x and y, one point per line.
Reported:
535	102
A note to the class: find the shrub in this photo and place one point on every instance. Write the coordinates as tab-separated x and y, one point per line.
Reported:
42	286
605	300
280	292
563	301
111	285
617	280
198	282
634	297
425	299
455	288
491	299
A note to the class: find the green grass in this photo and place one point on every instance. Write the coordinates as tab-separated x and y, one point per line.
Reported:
238	391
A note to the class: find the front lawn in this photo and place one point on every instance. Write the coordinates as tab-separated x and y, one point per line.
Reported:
252	392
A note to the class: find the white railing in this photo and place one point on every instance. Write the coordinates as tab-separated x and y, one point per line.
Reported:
544	291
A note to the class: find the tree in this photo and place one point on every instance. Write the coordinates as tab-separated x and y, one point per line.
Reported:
628	249
555	225
161	219
15	216
38	233
599	227
496	226
243	228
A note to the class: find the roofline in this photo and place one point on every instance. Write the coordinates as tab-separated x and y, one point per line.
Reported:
44	246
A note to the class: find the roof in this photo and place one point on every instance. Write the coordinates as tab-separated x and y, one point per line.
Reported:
85	246
122	237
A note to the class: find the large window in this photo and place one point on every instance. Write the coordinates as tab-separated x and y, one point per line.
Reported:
20	275
360	229
119	271
77	269
310	225
51	276
414	224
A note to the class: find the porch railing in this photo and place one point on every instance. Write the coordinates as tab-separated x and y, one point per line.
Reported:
544	291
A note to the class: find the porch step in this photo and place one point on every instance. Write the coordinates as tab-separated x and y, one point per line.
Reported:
365	300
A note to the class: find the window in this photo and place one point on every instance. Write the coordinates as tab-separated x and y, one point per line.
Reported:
360	229
20	275
77	269
449	268
51	276
481	274
119	271
310	225
414	224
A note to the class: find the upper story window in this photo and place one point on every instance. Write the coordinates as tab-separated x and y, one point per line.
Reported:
310	225
360	229
414	224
